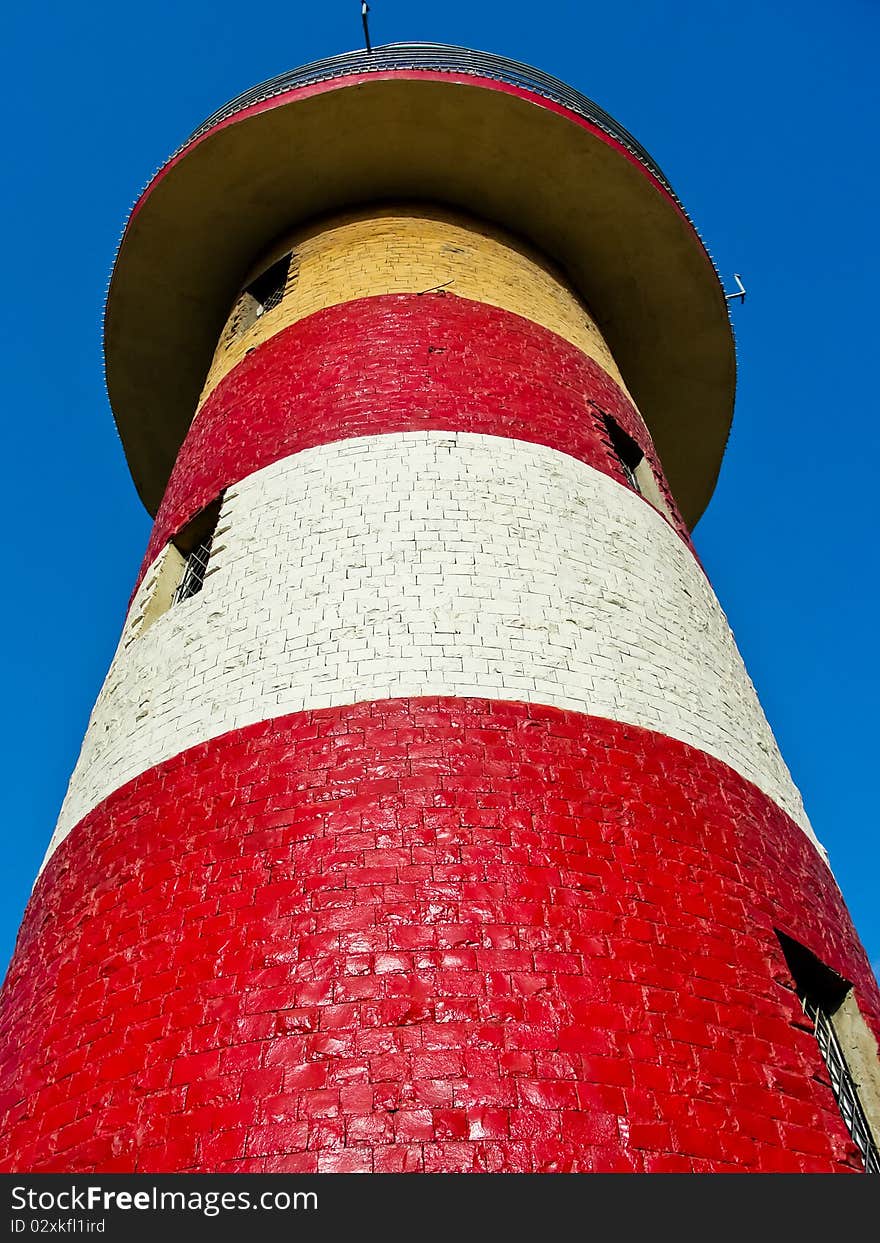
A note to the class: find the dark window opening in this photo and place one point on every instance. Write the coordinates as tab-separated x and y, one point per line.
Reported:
627	452
822	992
194	571
194	543
268	288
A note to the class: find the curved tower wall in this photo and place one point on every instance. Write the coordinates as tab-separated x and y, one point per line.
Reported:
450	519
442	828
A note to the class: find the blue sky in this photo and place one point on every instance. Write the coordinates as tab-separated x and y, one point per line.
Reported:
763	116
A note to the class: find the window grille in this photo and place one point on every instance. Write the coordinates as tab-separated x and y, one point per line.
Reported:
268	289
627	452
630	476
827	998
845	1091
194	571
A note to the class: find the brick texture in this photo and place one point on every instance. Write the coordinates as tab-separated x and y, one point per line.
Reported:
414	250
431	563
436	361
434	934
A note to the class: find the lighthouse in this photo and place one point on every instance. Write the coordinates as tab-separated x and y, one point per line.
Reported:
427	819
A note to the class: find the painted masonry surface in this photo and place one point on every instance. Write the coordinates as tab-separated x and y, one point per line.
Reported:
434	824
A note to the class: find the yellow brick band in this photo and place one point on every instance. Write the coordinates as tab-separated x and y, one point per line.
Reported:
411	250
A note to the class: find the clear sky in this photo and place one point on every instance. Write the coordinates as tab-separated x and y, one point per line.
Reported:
762	113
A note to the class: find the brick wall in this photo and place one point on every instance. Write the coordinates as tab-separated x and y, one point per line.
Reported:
432	563
413	250
426	935
397	363
442	829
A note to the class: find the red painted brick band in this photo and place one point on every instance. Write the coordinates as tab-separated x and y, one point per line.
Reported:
426	935
397	363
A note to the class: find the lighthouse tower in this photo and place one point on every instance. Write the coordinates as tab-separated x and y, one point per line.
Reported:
427	818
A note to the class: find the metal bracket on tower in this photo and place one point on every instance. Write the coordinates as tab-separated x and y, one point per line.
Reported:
365	9
741	291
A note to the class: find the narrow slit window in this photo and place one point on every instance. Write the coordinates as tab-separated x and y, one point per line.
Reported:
263	294
194	571
627	452
194	543
636	468
844	1040
268	288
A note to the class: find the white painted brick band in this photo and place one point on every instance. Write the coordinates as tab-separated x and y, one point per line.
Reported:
431	563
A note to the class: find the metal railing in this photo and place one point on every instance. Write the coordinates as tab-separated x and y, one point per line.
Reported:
443	58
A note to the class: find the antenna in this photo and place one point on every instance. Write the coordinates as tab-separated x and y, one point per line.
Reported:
365	9
741	291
